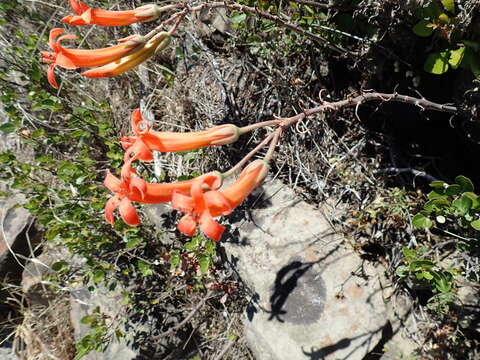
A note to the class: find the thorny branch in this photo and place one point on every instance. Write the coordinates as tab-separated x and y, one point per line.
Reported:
284	122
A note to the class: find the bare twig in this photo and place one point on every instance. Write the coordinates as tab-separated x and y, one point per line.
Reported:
424	104
188	317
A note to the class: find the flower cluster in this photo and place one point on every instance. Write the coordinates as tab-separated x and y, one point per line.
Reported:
109	61
201	199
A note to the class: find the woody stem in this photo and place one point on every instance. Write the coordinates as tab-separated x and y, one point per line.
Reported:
273	144
247	157
249	128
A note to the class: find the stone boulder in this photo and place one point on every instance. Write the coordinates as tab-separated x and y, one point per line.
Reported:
314	297
14	222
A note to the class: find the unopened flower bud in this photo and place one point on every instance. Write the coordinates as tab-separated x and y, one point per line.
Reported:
148	12
224	134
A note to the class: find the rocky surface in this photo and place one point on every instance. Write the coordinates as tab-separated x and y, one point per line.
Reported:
315	298
83	302
14	220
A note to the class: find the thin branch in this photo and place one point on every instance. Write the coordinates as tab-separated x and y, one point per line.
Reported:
416	173
188	317
424	104
247	157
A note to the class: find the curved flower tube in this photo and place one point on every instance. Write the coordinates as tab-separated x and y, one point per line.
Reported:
139	55
168	141
75	58
137	190
201	207
85	15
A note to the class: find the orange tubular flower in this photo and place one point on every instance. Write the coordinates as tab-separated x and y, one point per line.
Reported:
201	207
146	140
85	15
139	55
75	58
137	190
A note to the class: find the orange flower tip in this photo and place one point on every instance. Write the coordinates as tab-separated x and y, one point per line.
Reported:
257	165
110	206
78	7
128	212
182	202
224	134
112	183
51	76
210	227
139	185
187	225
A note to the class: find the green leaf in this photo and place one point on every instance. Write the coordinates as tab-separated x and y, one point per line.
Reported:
437	194
98	276
465	183
420	221
449	5
473	59
438	184
88	319
8	127
409	253
475	46
59	265
132	243
463	204
238	18
204	262
402	271
474	198
456	57
174	259
437	63
144	268
417	265
453	190
427	275
422	29
436	205
475	224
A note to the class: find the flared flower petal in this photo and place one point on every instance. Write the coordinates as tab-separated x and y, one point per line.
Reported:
138	185
182	202
127	141
139	151
51	76
187	225
110	206
113	183
128	212
210	227
217	203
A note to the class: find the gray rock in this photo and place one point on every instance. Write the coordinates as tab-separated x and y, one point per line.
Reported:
315	297
83	302
7	354
14	220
